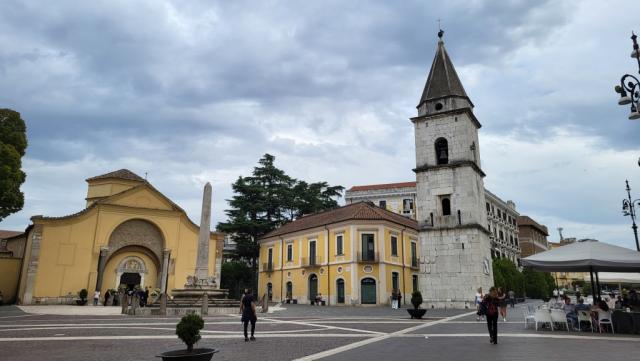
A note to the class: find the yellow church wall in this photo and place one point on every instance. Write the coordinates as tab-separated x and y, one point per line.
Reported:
66	256
111	280
10	271
141	198
70	247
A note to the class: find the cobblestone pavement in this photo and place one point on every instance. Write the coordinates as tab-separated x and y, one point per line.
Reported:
303	333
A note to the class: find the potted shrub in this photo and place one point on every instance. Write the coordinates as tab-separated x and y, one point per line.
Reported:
416	301
83	297
188	330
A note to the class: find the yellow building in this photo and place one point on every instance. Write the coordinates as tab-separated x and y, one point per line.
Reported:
129	233
356	254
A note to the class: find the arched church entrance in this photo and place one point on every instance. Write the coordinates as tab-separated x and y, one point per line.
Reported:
134	256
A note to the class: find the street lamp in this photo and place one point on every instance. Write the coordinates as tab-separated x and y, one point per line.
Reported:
629	88
628	209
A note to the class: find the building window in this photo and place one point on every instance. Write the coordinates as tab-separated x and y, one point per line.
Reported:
270	259
290	252
442	151
499	213
446	207
368	247
395	285
488	208
339	244
383	204
394	246
501	235
414	255
407	205
511	239
414	282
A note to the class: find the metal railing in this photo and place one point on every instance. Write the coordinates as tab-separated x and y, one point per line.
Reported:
311	261
414	262
368	257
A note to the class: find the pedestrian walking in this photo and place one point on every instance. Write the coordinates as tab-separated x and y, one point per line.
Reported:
146	296
248	311
96	297
512	298
394	300
399	298
106	297
502	302
490	305
477	301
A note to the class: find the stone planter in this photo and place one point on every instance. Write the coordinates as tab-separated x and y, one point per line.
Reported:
198	354
417	312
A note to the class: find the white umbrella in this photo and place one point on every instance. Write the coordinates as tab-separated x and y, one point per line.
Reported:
585	256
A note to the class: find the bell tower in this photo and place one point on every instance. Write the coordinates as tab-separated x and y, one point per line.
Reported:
455	245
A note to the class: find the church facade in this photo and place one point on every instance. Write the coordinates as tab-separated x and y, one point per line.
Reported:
128	234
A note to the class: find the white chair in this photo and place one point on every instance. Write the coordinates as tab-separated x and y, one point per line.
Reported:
584	316
558	316
529	315
543	316
604	318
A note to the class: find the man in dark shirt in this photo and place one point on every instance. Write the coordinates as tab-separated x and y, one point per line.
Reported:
248	311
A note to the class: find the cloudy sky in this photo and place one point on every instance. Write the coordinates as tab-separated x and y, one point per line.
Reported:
190	92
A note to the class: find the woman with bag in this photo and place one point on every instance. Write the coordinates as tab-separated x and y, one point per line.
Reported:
248	311
491	304
478	300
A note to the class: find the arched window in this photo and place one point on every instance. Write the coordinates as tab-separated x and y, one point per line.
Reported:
442	151
446	207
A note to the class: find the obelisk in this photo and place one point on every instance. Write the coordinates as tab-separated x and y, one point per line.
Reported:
202	262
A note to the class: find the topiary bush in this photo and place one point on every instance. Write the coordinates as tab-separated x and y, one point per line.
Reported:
416	299
188	329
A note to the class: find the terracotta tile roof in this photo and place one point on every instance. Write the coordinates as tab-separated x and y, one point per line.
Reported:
354	211
382	186
528	221
120	174
4	234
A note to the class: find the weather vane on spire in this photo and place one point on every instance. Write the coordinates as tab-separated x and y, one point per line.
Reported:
440	32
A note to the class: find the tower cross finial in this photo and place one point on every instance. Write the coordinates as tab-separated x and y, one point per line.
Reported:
440	31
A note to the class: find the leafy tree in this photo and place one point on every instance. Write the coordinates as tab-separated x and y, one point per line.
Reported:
266	200
236	276
13	142
507	276
537	284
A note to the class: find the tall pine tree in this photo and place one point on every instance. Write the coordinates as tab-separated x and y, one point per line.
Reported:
268	199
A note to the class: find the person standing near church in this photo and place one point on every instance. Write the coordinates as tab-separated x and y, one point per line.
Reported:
248	311
96	297
106	297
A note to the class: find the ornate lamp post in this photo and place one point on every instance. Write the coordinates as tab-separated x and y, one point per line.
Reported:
629	88
628	209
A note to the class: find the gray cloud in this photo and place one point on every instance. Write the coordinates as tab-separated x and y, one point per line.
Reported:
198	91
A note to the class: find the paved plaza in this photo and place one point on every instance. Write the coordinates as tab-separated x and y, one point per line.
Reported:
300	332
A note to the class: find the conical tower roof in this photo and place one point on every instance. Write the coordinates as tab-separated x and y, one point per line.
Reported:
443	81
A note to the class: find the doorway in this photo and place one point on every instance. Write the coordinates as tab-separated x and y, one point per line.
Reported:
340	288
368	291
313	287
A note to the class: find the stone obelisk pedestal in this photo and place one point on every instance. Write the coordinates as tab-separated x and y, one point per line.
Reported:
202	290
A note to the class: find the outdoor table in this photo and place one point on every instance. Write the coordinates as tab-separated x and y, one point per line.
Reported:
622	321
626	322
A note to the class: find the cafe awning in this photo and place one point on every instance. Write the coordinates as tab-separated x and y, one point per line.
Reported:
585	256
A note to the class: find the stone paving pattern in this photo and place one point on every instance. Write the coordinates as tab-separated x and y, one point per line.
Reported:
299	331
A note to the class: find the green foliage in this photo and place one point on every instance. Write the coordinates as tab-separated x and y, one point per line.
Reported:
537	284
83	294
507	276
416	299
268	199
235	277
13	142
188	329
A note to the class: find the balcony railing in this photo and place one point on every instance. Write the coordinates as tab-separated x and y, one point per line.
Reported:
311	261
368	257
267	267
414	262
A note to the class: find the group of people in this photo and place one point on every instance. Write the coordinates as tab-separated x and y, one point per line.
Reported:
143	296
396	299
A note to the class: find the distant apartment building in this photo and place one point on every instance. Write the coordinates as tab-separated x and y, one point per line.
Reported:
400	198
533	236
